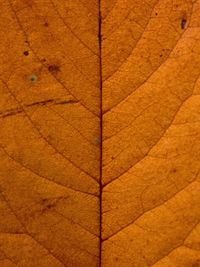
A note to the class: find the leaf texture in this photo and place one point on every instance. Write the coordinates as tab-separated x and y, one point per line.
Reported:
49	134
99	136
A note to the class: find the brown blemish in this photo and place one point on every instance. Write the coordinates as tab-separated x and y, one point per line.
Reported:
10	113
183	23
48	204
54	68
174	170
13	112
97	140
26	53
196	263
51	203
63	102
41	103
46	24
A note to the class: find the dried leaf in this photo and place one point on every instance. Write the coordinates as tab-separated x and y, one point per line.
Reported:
99	136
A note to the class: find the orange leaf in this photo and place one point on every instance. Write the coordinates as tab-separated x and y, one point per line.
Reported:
99	136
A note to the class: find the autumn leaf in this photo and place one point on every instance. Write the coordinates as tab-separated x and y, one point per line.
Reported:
99	133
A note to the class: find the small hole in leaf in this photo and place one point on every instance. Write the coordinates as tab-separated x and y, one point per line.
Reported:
26	53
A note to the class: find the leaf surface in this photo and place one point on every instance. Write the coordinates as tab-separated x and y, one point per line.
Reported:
99	136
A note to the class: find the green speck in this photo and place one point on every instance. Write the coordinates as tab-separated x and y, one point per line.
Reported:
33	78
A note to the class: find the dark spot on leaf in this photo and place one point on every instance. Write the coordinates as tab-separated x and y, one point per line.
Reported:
33	78
54	68
63	102
156	14
41	103
183	23
161	55
196	263
46	24
26	53
44	60
174	170
49	206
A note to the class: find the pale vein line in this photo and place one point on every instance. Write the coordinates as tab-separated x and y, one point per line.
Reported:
123	21
63	216
173	118
116	1
80	1
149	76
82	135
36	240
29	234
44	177
25	230
129	125
131	52
174	248
69	28
59	81
7	257
14	112
162	135
43	137
155	207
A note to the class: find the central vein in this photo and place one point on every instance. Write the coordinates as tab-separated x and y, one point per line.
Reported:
101	132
